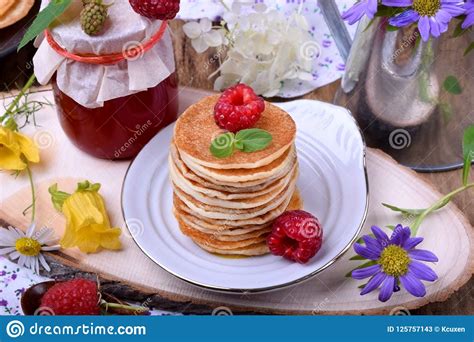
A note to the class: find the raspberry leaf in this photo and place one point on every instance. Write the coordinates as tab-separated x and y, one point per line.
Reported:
223	145
253	139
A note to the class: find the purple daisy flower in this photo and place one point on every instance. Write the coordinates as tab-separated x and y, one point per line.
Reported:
396	260
469	8
433	16
361	8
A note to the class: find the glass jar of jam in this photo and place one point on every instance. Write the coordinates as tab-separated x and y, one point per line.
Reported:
114	90
120	128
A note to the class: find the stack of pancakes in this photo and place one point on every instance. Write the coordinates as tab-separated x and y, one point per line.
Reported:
227	206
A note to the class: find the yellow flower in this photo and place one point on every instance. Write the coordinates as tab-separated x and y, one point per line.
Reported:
87	224
15	150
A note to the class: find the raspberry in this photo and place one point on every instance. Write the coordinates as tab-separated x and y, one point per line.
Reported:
93	16
73	297
156	9
297	235
238	108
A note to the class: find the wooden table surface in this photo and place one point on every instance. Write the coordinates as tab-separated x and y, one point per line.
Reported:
194	70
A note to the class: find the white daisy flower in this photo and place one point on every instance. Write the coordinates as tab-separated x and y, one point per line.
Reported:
27	247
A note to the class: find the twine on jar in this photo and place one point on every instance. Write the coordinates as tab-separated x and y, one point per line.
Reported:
114	58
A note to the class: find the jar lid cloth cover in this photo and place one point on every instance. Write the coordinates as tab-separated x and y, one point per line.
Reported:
91	85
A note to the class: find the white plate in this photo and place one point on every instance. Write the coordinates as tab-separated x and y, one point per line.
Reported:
333	185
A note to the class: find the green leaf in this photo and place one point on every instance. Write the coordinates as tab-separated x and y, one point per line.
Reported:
54	9
253	139
468	152
357	257
417	41
451	85
57	197
369	24
223	145
404	210
88	186
469	49
387	11
416	212
458	30
391	28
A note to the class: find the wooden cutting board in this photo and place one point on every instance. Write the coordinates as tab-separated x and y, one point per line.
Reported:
134	276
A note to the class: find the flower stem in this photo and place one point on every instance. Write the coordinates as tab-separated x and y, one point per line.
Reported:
136	309
225	6
440	203
23	90
33	195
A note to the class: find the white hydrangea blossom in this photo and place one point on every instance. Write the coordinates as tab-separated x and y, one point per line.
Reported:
203	35
264	47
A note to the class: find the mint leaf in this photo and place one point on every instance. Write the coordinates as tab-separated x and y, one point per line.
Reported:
223	145
247	140
451	85
54	9
253	139
468	152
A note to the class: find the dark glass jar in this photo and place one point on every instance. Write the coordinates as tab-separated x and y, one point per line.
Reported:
120	128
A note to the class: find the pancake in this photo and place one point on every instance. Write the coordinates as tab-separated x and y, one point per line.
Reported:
209	227
238	234
237	187
292	203
253	250
275	169
215	212
196	187
239	203
211	240
196	127
227	206
5	6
